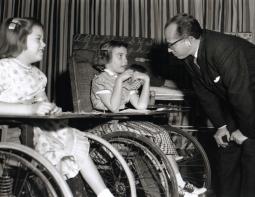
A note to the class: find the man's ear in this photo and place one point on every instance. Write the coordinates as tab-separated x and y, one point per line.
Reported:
188	42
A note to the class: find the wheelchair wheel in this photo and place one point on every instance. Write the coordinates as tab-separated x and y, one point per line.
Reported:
194	166
24	172
112	167
153	173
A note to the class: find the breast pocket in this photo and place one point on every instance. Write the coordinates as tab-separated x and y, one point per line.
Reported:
217	85
214	80
217	79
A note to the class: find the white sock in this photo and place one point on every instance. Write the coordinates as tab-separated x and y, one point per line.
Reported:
179	179
105	193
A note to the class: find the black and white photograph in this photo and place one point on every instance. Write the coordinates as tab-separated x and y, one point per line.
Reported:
127	98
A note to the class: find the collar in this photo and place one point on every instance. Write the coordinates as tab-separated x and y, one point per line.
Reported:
197	48
27	67
195	55
110	73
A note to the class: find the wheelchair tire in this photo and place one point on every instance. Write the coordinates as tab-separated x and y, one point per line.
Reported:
195	166
154	176
24	172
112	167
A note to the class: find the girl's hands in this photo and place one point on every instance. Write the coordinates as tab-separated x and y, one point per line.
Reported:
139	75
55	109
134	75
126	75
43	108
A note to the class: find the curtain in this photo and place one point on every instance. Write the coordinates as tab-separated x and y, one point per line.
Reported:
141	18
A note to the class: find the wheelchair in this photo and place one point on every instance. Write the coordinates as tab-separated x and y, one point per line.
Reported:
152	171
147	172
24	172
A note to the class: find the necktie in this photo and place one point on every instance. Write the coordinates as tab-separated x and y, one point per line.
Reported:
195	66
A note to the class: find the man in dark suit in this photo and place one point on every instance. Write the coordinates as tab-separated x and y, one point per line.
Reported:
222	68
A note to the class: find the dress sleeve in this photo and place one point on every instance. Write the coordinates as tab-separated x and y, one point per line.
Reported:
100	86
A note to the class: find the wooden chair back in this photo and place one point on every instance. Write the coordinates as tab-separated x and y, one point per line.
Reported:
83	59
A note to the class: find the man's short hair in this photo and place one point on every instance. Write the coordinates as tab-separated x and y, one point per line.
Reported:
187	25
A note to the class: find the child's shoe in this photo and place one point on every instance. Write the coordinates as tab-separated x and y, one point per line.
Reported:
178	158
191	189
105	193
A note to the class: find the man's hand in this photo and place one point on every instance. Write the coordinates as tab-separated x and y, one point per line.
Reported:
238	137
220	133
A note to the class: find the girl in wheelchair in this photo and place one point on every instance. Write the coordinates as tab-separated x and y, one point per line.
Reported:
22	92
118	85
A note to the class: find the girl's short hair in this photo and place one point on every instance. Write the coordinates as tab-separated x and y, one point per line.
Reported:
13	34
105	52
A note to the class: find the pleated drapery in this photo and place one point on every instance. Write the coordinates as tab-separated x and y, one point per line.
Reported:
140	18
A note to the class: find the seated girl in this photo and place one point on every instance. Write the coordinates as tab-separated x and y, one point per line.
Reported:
118	85
22	92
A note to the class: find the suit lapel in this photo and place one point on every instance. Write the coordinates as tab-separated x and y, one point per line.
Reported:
192	68
203	61
206	72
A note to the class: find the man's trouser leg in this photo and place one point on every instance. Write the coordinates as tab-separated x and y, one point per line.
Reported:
229	170
248	168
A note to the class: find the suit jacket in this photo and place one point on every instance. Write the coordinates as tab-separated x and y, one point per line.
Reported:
225	82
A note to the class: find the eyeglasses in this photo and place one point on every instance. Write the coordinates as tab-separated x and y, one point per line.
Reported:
170	45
